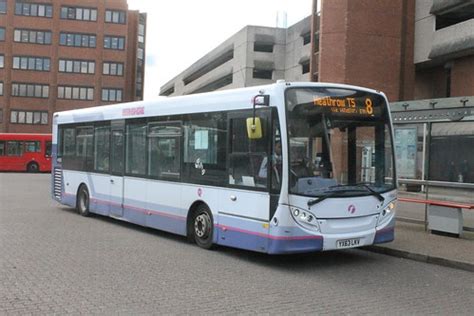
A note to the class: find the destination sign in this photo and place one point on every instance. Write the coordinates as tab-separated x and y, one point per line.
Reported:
346	105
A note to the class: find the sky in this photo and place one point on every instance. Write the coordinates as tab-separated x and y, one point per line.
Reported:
179	32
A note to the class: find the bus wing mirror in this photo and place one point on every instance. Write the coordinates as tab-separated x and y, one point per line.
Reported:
254	128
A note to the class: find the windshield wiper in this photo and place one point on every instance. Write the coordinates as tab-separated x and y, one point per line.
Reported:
374	193
322	198
364	185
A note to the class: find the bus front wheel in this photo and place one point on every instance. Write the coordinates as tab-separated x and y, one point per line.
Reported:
203	227
83	201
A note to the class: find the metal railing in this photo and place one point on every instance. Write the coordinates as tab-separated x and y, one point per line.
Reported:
425	185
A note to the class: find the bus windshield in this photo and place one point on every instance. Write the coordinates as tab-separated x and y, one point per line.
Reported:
339	142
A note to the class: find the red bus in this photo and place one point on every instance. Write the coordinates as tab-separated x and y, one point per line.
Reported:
25	152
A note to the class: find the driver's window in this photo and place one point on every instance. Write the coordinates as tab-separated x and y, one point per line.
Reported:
248	158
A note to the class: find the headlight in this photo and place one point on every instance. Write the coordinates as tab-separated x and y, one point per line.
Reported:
387	212
305	218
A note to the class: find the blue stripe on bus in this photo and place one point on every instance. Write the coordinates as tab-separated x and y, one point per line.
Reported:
223	234
385	234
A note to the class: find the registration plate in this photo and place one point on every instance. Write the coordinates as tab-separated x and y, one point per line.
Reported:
348	243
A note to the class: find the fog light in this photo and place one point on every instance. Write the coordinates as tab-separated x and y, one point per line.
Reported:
296	212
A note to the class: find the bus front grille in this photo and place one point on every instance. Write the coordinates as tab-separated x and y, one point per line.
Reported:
57	183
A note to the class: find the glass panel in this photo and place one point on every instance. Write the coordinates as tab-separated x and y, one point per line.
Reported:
69	142
338	138
14	148
90	93
117	152
248	157
29	117
84	146
32	147
108	16
34	10
41	10
21	117
78	14
14	117
44	118
16	35
37	118
452	152
164	150
86	14
62	65
39	37
105	68
101	148
63	12
45	91
46	64
105	95
136	146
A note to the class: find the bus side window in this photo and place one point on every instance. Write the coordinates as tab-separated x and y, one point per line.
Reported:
248	157
14	148
164	149
2	148
47	152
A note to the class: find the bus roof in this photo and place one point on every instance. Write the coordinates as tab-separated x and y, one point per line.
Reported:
240	98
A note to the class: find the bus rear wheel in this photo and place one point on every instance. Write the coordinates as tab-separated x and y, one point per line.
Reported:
32	167
82	204
203	227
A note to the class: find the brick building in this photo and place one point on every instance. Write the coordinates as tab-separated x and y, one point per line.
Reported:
61	54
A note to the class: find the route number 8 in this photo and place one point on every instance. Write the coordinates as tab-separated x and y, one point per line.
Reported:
368	106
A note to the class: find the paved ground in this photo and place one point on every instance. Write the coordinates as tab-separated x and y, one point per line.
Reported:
53	261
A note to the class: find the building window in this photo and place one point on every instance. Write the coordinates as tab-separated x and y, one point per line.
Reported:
81	14
306	38
29	117
3	6
111	95
77	66
1	88
77	40
262	73
112	69
33	9
30	90
32	36
263	47
140	53
114	42
2	34
31	63
141	33
118	17
2	61
76	93
305	67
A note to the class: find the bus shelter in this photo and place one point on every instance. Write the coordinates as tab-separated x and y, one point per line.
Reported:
434	147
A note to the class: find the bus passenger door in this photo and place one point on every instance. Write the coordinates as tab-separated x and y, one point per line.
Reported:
117	159
244	205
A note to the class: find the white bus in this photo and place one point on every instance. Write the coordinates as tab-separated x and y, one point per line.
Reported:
283	168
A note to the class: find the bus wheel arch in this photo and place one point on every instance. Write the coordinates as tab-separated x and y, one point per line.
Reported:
83	200
200	225
32	166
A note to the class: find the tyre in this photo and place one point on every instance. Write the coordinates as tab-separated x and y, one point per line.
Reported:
203	227
32	167
82	204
